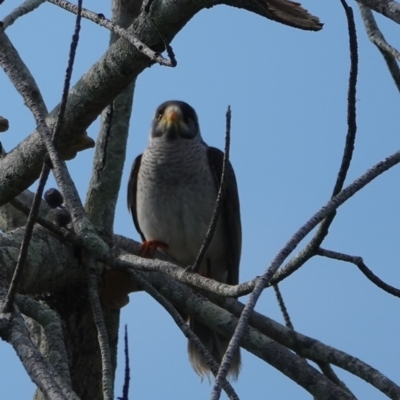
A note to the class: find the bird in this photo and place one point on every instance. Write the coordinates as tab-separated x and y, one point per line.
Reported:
172	192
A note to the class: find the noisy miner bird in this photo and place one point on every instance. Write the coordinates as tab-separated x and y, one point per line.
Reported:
171	193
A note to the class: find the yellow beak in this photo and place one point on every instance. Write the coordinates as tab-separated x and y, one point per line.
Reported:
172	117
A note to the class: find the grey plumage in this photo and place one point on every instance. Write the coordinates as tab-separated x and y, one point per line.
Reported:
171	193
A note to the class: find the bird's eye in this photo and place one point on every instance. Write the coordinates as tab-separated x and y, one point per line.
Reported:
159	116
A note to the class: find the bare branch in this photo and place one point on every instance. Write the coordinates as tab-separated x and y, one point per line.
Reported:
388	8
330	373
14	331
283	308
56	262
220	198
362	267
125	390
51	324
324	367
388	52
374	33
26	7
103	21
68	73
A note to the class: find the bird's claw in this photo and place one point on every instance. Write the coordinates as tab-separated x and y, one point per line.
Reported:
149	248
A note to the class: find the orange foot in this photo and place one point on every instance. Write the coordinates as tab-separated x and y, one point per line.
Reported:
149	247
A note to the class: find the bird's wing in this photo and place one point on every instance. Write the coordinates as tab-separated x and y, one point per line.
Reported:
230	212
132	187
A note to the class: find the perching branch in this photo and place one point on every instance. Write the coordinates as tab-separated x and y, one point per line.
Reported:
56	263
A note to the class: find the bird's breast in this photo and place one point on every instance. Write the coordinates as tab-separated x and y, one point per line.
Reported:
176	196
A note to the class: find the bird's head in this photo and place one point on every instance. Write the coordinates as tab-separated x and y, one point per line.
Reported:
175	120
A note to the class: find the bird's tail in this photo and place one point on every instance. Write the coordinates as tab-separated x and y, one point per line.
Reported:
216	344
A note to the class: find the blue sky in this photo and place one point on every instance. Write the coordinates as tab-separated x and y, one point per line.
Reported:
287	89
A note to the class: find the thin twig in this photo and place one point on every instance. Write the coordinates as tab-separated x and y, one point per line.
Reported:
123	33
184	327
68	73
351	102
388	52
220	197
107	370
362	267
167	46
283	308
324	367
125	390
25	8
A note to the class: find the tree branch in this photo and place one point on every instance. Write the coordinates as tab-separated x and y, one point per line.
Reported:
49	320
56	271
314	350
388	52
388	8
359	262
25	8
14	331
103	21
